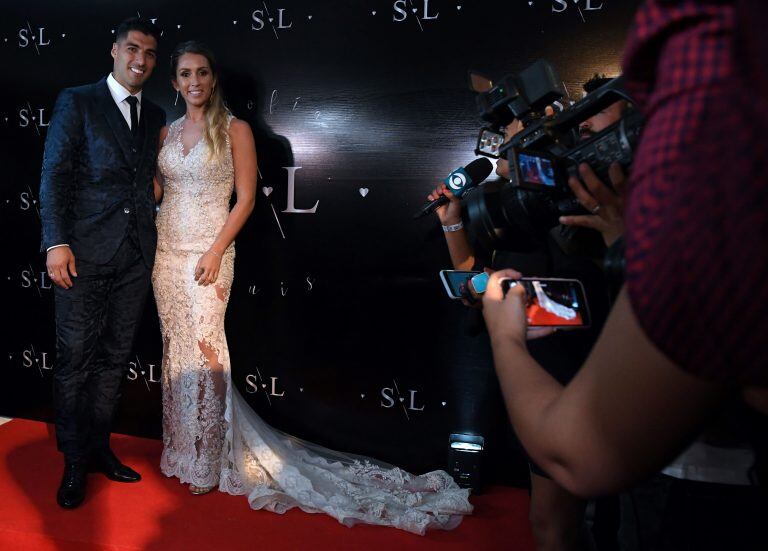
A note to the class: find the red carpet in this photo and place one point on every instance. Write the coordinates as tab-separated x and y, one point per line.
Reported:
159	513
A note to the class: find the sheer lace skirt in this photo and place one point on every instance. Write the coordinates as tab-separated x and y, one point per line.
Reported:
197	439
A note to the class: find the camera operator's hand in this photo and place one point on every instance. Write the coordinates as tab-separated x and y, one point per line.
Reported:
448	214
505	317
606	204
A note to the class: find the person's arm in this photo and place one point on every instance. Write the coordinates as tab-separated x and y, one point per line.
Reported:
244	160
157	180
462	253
605	204
62	144
627	412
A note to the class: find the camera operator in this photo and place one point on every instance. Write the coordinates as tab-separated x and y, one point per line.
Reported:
605	203
687	331
556	515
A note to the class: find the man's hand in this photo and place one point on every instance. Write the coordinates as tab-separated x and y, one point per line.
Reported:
505	316
448	214
61	266
605	204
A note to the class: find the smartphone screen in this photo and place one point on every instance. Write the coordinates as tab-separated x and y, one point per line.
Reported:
455	282
555	302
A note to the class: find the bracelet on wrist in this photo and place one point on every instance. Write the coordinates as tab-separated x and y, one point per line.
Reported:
214	253
453	227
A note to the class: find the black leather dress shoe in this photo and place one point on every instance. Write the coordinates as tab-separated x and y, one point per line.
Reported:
109	465
72	488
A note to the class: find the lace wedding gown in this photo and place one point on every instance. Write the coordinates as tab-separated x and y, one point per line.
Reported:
210	434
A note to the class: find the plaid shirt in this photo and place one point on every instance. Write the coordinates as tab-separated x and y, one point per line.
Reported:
697	208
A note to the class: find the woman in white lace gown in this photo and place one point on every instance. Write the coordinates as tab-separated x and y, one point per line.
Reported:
211	437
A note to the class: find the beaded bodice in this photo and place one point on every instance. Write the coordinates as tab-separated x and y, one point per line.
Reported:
197	191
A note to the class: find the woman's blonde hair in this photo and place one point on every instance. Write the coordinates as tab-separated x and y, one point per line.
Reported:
216	112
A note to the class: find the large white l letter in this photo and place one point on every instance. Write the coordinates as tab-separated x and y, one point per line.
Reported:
291	193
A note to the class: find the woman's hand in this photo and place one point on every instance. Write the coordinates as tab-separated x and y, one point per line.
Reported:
448	214
474	299
207	268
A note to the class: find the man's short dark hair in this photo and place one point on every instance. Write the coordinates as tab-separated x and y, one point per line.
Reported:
596	82
144	26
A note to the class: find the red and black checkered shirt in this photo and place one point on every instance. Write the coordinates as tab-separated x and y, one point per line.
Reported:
697	210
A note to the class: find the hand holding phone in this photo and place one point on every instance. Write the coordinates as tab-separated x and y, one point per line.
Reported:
553	302
456	282
479	282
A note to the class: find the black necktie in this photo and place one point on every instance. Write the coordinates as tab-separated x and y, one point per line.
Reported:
133	101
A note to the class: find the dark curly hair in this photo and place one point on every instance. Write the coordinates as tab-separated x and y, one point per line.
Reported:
142	25
595	82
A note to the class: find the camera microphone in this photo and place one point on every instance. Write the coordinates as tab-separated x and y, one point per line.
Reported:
459	182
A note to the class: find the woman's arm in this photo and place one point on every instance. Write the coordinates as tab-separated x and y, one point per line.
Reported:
157	181
244	159
462	253
627	412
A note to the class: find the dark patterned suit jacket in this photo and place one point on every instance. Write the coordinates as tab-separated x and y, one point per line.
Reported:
96	176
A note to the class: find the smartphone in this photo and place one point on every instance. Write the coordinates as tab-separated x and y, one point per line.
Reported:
455	282
553	302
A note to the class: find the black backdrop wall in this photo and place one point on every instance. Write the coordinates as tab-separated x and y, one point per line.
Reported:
338	326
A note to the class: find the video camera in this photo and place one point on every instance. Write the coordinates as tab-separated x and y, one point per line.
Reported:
542	157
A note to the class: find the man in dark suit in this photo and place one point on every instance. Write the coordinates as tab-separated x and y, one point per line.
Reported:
99	233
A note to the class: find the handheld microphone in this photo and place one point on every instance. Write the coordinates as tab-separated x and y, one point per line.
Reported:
459	182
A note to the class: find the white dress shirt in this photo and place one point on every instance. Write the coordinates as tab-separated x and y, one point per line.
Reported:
119	93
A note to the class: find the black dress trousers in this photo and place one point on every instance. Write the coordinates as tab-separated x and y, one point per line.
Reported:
96	324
